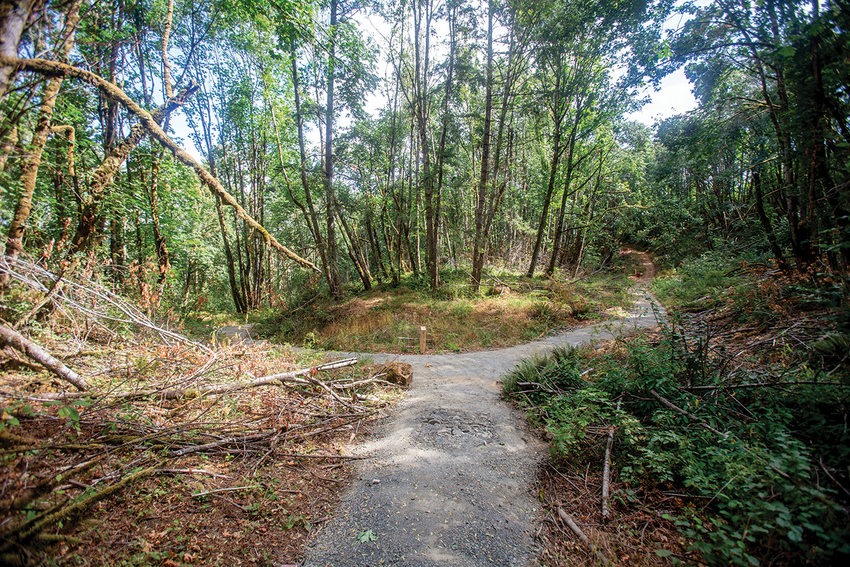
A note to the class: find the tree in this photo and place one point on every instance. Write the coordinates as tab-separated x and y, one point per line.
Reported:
788	57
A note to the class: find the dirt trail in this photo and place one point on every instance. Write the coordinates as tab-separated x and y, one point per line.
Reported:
450	475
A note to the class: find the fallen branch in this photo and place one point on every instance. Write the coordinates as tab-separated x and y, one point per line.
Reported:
701	423
92	296
112	91
684	412
45	485
606	470
583	538
272	380
313	456
228	489
606	474
229	441
19	342
33	527
373	380
191	471
281	379
764	385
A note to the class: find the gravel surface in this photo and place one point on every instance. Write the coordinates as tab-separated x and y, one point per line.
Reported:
449	476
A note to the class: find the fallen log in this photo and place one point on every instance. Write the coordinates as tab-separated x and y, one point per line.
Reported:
19	342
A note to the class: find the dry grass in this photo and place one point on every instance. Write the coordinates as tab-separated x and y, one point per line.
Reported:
388	320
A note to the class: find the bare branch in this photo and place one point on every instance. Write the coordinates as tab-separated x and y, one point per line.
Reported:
19	342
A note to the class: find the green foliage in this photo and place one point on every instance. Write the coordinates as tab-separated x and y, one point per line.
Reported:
760	479
539	376
700	282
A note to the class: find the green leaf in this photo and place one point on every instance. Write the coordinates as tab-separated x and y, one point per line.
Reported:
663	552
795	534
787	52
366	536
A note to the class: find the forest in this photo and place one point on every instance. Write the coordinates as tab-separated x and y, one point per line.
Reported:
458	134
175	167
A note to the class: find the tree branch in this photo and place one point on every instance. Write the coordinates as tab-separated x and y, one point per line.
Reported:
19	342
112	91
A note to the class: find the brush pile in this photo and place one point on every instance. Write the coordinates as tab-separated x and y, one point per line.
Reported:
152	412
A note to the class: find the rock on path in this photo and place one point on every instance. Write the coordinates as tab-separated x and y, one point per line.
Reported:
450	475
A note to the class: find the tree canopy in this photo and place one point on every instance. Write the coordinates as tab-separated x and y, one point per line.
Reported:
156	143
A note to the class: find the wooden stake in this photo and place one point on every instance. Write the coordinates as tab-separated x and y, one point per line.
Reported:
422	339
606	474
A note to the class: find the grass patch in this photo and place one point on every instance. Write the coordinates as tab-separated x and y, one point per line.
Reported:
508	312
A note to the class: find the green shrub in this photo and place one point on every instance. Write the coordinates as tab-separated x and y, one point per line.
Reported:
764	498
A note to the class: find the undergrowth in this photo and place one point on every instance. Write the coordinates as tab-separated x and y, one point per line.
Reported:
506	310
757	446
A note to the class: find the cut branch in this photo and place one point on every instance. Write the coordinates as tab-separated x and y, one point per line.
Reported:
19	342
272	380
583	538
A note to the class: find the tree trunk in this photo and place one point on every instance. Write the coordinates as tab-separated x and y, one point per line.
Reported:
14	15
117	249
330	192
420	109
29	169
356	253
441	149
559	225
158	237
312	219
479	241
235	290
559	109
6	148
765	222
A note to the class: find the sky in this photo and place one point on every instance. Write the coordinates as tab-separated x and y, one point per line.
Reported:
673	97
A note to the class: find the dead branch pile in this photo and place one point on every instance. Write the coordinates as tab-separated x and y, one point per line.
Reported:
161	411
153	404
86	305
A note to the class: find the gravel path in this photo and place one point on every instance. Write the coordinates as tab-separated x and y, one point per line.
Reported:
450	475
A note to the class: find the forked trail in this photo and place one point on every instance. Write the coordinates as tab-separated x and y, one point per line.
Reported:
449	477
